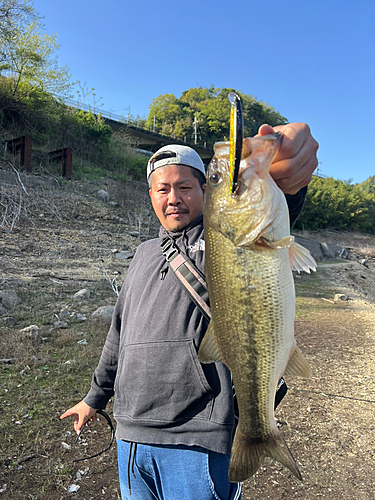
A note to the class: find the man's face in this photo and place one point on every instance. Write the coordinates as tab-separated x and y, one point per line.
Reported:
176	196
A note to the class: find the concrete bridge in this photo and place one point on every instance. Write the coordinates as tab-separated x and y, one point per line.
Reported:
139	137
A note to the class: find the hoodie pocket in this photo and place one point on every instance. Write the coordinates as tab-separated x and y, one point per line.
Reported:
162	382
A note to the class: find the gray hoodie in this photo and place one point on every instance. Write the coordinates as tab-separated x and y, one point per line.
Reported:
162	393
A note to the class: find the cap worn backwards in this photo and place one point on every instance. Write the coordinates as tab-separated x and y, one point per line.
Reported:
174	154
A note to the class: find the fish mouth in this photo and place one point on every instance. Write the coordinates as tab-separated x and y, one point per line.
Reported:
257	156
258	153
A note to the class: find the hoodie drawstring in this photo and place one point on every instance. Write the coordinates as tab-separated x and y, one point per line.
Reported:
131	464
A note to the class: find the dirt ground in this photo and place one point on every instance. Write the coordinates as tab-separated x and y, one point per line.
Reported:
69	242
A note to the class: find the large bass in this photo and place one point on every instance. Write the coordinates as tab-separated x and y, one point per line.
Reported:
249	259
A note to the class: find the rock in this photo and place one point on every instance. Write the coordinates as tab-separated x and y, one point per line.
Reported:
340	296
9	299
64	314
32	332
73	488
82	294
9	321
61	324
326	252
134	233
364	262
7	361
103	314
103	196
124	255
81	317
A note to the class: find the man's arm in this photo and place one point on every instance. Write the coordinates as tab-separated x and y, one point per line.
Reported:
104	375
295	204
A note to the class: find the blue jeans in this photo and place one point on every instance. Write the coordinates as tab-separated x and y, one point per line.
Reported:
174	473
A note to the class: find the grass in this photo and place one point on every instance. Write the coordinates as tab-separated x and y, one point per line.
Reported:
46	380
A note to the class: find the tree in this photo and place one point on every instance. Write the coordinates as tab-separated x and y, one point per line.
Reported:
336	204
205	112
13	13
27	53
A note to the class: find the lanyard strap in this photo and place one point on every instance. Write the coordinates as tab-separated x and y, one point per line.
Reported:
188	275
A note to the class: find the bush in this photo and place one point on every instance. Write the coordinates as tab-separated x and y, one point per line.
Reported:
53	125
338	205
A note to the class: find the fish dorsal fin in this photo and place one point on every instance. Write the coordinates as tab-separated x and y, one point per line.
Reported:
301	259
208	350
297	364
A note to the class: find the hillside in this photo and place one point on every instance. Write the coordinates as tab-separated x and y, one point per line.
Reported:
67	240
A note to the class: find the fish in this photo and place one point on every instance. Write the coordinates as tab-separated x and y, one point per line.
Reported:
250	255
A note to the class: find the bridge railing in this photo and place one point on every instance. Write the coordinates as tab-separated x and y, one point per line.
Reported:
97	111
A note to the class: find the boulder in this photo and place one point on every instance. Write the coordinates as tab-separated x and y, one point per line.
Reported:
103	315
9	299
103	196
32	332
82	294
124	255
340	296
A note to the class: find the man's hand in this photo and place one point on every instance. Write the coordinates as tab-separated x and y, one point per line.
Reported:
83	414
296	159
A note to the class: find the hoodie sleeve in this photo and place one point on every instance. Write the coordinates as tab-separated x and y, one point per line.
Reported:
103	379
295	204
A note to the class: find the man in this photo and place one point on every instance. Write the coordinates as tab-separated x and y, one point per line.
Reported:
174	416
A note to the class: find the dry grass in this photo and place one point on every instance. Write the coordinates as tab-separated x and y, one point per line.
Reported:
368	251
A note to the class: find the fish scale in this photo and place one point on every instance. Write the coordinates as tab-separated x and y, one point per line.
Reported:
249	253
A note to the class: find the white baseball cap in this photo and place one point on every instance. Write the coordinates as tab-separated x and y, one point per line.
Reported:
175	154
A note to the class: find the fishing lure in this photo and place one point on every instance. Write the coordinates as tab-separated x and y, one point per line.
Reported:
235	138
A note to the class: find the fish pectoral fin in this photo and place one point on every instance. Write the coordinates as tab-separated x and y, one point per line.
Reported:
247	455
297	364
208	350
276	245
301	259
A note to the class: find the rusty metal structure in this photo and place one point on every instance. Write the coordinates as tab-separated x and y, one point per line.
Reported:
23	145
66	157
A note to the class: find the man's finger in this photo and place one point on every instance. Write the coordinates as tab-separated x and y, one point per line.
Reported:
265	130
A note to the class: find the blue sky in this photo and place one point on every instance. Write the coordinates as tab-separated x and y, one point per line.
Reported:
313	61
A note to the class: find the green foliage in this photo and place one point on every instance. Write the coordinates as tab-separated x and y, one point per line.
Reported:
369	185
97	151
210	107
339	205
32	87
27	53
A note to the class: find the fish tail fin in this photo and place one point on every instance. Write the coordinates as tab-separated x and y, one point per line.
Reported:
248	454
246	457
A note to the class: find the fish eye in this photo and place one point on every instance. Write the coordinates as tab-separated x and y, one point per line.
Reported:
215	177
